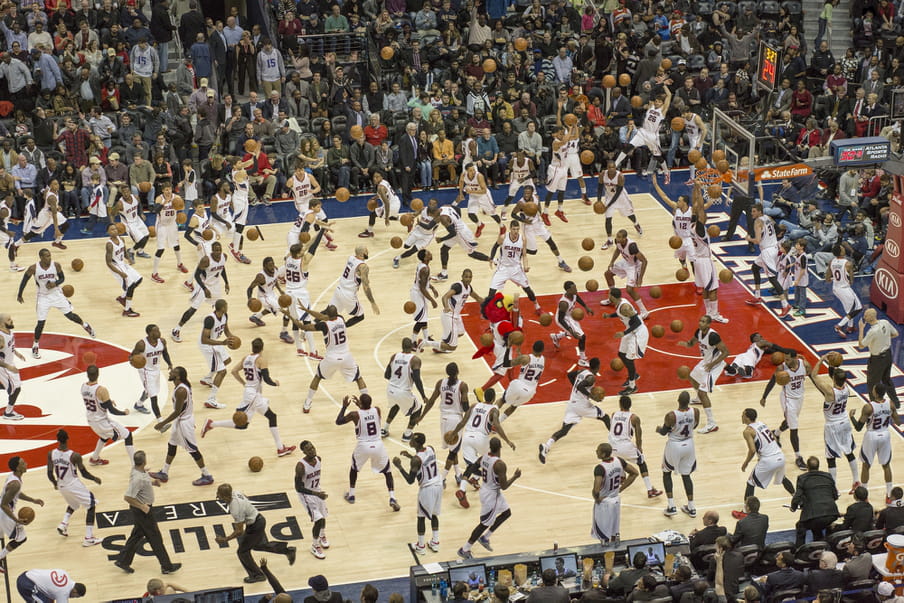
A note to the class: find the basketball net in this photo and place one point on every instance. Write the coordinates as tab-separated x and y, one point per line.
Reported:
708	176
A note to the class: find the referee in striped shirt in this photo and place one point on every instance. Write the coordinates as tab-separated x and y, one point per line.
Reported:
878	341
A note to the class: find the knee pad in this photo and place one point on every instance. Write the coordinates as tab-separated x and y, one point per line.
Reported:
159	252
196	455
171	450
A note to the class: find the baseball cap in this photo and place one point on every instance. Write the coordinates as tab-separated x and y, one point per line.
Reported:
318	582
114	155
285	123
203	82
885	589
682	62
111	51
94	160
211	94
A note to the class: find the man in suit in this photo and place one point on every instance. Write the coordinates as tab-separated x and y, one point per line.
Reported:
253	103
362	159
858	117
355	115
784	578
408	160
826	577
752	525
815	496
859	514
191	24
218	47
873	85
707	536
274	105
779	100
619	109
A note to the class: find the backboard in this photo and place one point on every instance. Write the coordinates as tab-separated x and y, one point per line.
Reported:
739	145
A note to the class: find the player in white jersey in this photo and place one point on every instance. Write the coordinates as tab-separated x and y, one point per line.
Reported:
13	528
704	375
580	404
682	215
304	188
556	175
453	395
494	509
876	415
457	233
791	397
167	230
36	222
308	475
240	202
197	225
210	284
152	349
512	264
183	432
403	371
801	279
679	454
572	153
9	374
837	433
745	364
8	236
571	327
696	131
370	446
49	278
252	372
222	219
535	229
98	408
385	204
337	355
521	174
629	263
626	438
767	261
189	183
841	274
128	207
480	199
524	388
705	277
770	464
420	294
63	467
214	339
295	271
632	340
422	232
120	267
453	302
648	134
423	468
612	185
355	275
265	288
611	477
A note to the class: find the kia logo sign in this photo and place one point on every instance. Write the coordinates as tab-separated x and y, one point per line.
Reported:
886	283
895	219
892	249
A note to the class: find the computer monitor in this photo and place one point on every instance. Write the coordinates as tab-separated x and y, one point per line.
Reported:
474	576
566	566
654	551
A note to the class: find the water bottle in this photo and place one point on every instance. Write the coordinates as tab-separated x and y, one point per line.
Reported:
555	547
492	579
433	586
443	589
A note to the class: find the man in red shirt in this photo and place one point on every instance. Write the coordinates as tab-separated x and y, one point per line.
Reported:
260	171
375	132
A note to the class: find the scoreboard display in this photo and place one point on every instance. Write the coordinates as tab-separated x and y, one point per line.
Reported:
849	152
768	65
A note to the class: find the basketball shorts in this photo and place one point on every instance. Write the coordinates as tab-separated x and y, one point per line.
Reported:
404	399
240	211
269	302
215	357
516	185
642	138
11	529
791	407
346	304
464	238
9	380
198	298
420	305
132	277
578	409
627	450
746	359
204	248
372	452
634	344
705	274
253	403
77	495
492	505
623	205
679	456
314	505
42	222
695	141
346	366
5	240
767	469
504	274
136	229
849	300
499	355
300	297
876	444
395	205
556	178
150	380
785	279
839	439
626	270
706	380
685	251
183	435
481	204
573	165
520	391
768	260
533	233
419	238
606	519
473	446
52	299
451	328
108	429
167	236
448	422
430	500
221	228
570	325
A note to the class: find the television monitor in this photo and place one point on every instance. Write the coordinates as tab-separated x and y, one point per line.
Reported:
566	566
222	595
474	576
654	551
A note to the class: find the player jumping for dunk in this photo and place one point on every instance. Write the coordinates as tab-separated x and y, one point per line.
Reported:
648	135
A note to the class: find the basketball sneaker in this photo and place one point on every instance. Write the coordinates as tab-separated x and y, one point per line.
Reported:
91	541
543	453
98	462
130	314
434	545
583	362
653	493
315	356
204	480
182	269
141	408
13	416
708	428
160	476
627	391
801	464
564	267
720	318
317	551
838	330
286	338
464	554
206	382
323	542
479	230
349	498
585	199
419	549
754	301
738	514
854	487
442	276
561	215
59	245
16	267
176	335
690	512
605	302
384	432
784	311
407	435
545	217
208	425
90	331
485	543
285	450
606	245
255	320
306	409
188	285
35	352
63	529
462	499
639	229
556	337
670	511
212	403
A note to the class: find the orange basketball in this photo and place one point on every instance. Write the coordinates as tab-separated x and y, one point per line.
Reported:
284	300
782	378
624	79
666	64
683	372
489	66
546	319
120	228
675	242
406	219
138	361
78	264
658	330
255	463
252	234
676	326
450	438
144	187
356	131
682	274
701	164
240	419
255	305
387	52
678	123
722	166
417	205
636	102
409	307
486	340
577	313
597	393
592	285
609	81
181	218
396	242
656	292
207	234
27	515
372	204
178	203
570	119
777	358
250	145
89	358
531	208
834	359
587	244
342	193
304	237
587	156
693	156
152	231
599	208
520	44
516	338
68	290
616	364
713	231
233	343
718	155
714	191
726	275
585	263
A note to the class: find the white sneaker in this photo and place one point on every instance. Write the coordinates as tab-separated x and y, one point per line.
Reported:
212	403
720	318
708	428
307	406
317	551
583	362
36	352
434	545
63	529
91	541
420	549
605	302
324	543
16	268
13	416
645	316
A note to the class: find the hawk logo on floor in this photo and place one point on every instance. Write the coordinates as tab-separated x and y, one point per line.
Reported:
51	399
